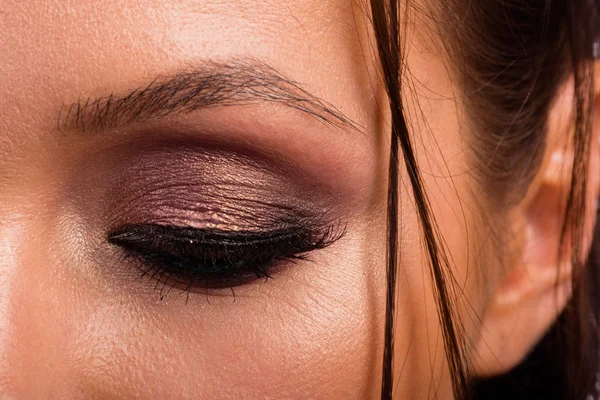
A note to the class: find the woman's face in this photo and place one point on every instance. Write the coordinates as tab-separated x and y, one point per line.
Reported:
241	121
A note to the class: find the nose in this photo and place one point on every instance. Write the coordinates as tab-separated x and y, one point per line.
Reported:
33	328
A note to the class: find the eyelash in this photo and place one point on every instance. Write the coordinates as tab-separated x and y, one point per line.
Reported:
195	258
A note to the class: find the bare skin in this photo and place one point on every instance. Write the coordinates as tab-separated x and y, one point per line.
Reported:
76	319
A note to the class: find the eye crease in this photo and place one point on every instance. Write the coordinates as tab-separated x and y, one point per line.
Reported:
193	258
199	216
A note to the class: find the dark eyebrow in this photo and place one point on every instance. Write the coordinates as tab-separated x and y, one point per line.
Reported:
239	82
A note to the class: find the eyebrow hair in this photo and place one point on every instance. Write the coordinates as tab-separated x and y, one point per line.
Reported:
239	82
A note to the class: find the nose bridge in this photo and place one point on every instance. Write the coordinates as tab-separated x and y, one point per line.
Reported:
11	232
29	338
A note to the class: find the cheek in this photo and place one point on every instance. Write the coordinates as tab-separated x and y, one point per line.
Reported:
299	336
310	332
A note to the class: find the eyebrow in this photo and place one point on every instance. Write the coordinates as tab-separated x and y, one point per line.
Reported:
212	84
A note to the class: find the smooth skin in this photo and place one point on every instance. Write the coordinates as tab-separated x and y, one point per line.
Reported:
77	322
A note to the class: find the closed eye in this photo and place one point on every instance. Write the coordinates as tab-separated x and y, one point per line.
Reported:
193	258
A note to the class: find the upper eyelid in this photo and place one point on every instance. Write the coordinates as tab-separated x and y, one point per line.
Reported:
191	186
215	265
303	237
201	236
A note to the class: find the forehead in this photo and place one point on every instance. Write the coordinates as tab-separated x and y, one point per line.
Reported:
56	52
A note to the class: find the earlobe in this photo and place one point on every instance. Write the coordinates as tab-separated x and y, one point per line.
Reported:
535	288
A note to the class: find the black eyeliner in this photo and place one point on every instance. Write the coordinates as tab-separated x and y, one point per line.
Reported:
209	257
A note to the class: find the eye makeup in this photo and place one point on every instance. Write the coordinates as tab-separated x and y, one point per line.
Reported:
210	189
191	258
199	217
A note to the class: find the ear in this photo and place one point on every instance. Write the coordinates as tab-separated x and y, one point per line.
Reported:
536	286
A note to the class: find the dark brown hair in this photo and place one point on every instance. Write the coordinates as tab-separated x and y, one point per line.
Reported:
511	57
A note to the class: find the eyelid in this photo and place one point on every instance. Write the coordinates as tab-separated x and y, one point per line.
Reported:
222	194
197	236
287	240
188	259
200	188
